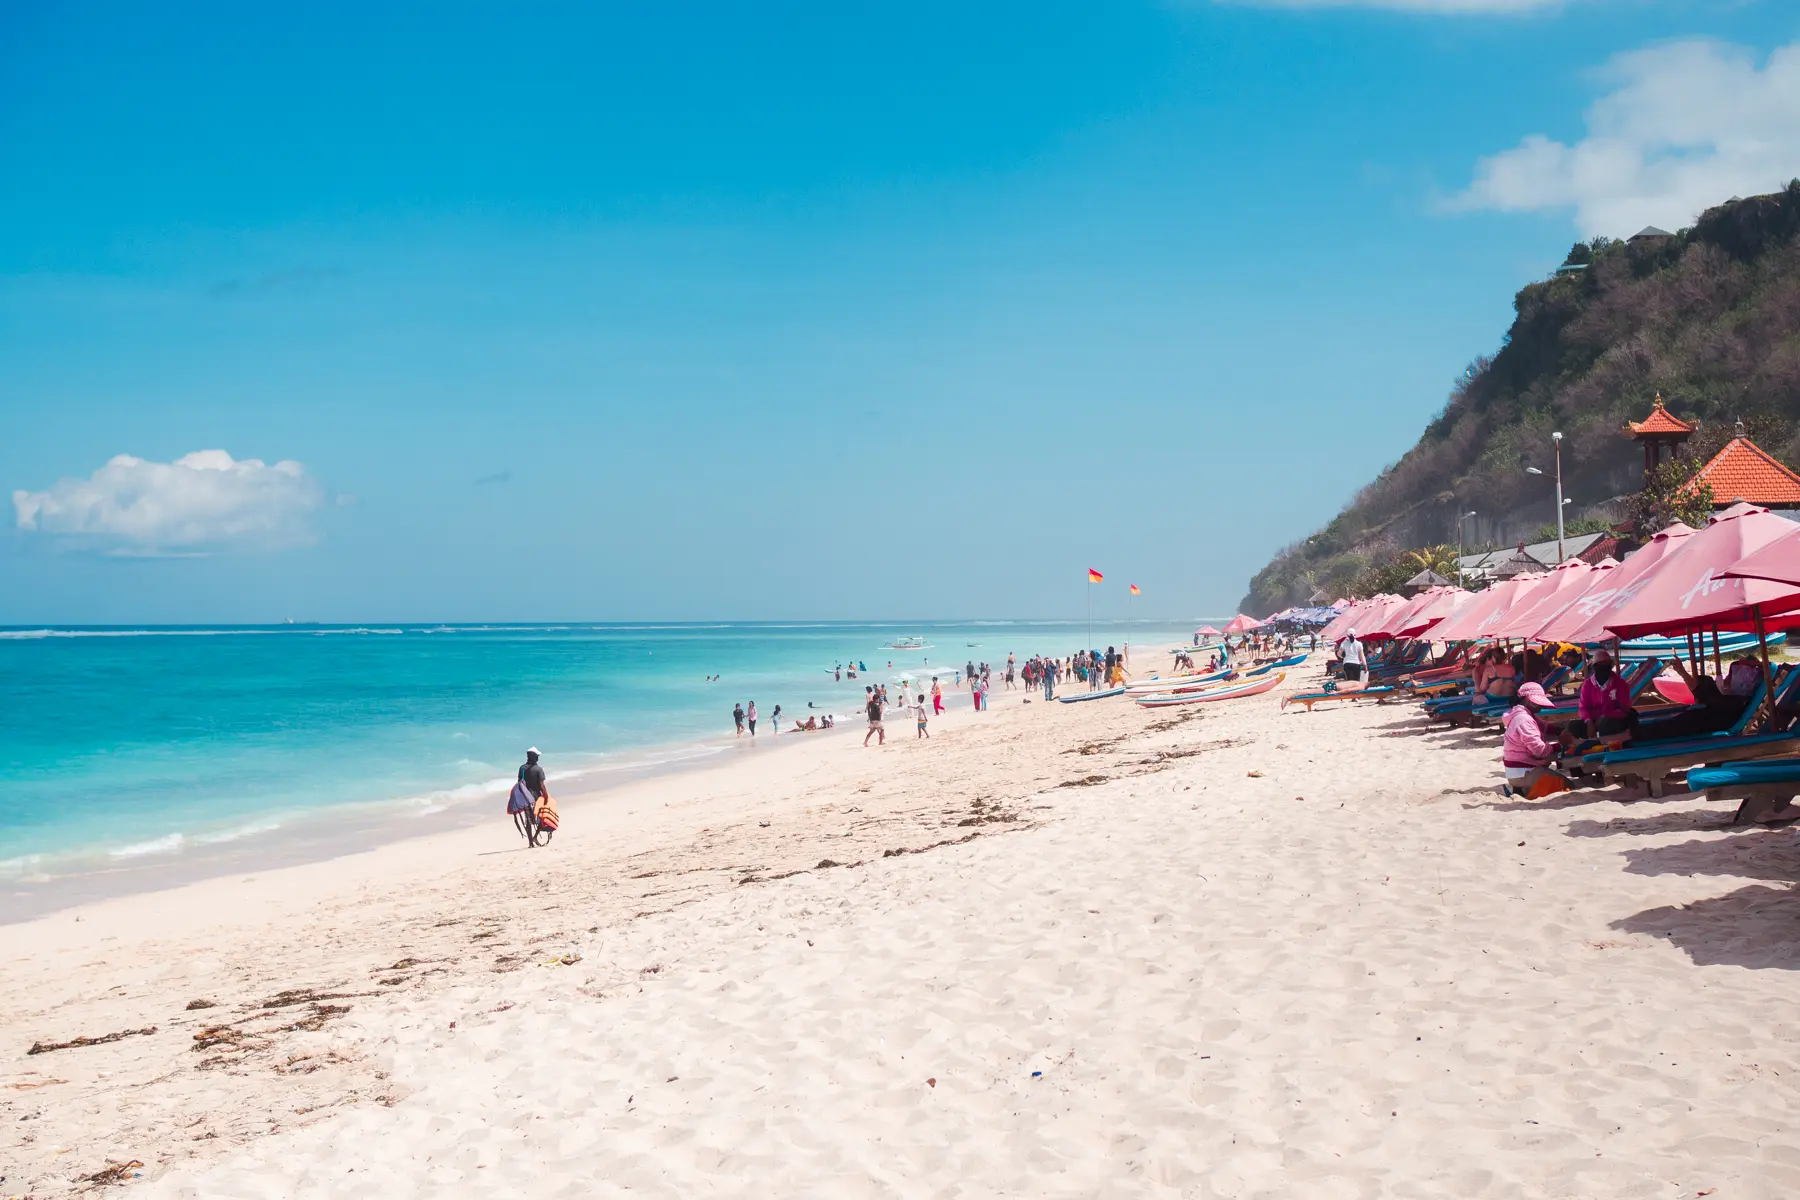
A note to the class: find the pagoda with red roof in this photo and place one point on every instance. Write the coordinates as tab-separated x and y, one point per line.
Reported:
1745	471
1662	433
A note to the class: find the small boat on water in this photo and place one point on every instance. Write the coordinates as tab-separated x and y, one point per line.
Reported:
1231	691
907	643
1078	697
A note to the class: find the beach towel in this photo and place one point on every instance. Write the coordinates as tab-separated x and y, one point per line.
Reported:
546	813
519	800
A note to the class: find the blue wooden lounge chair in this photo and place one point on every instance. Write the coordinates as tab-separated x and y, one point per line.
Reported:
1764	790
1311	698
1655	762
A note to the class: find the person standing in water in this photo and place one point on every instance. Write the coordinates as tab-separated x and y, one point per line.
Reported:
750	717
737	717
775	720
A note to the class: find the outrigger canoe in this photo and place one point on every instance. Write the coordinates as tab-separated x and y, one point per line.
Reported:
1177	683
1078	697
1230	691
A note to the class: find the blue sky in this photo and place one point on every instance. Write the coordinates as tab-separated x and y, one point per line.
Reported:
730	311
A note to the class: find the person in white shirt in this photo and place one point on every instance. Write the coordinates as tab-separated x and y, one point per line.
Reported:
1350	653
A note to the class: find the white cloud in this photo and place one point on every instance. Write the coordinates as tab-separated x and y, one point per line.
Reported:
202	501
1686	126
1443	7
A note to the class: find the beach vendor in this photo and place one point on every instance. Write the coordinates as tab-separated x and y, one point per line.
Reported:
1527	750
529	794
1605	703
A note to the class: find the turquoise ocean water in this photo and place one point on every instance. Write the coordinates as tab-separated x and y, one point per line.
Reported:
122	747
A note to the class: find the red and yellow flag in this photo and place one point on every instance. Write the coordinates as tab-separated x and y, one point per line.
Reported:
1134	590
1094	576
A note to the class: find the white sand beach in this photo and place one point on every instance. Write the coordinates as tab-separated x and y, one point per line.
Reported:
1081	950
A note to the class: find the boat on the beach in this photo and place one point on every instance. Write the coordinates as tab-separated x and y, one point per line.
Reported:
1176	683
1248	687
1078	697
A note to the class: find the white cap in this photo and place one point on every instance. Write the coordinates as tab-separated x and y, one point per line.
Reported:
531	750
1353	633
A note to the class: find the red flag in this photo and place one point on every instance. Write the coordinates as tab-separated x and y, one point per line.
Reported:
1134	590
1094	576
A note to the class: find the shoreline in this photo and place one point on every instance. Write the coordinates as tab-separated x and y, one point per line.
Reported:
100	837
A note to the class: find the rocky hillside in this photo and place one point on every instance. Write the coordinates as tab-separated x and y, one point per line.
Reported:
1709	317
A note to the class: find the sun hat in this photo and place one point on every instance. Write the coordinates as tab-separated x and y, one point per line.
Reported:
532	750
1533	693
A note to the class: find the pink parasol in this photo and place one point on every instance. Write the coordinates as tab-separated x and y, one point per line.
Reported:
1689	590
1583	621
1488	606
1376	615
1395	618
1242	624
1360	615
1441	605
1207	631
1563	584
1778	562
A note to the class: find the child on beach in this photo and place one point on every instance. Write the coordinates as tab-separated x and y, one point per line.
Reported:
919	712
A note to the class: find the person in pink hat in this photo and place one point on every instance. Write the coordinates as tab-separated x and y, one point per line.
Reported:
1530	746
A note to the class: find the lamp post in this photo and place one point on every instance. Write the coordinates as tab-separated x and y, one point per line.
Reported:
1459	545
1557	439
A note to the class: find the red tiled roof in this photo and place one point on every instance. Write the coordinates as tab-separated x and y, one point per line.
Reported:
1744	471
1660	421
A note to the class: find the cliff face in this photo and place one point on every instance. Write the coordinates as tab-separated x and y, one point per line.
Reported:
1708	317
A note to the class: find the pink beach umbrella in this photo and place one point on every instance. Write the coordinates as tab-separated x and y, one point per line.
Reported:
1441	604
1356	617
1583	622
1242	624
1208	631
1562	584
1392	619
1778	562
1487	608
1690	590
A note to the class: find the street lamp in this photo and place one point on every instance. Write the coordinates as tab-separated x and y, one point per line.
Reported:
1556	438
1459	545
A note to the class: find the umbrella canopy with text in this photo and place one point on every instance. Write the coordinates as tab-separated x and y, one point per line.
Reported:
1566	582
1488	607
1690	590
1583	621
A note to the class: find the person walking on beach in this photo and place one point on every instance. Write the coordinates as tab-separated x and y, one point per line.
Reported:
1350	653
775	720
873	708
737	716
937	697
531	790
750	717
919	712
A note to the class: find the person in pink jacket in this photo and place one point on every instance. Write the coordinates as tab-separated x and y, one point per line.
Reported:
1606	710
1530	746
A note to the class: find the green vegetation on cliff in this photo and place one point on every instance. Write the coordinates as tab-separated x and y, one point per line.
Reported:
1708	317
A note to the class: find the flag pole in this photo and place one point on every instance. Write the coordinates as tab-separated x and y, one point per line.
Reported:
1090	612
